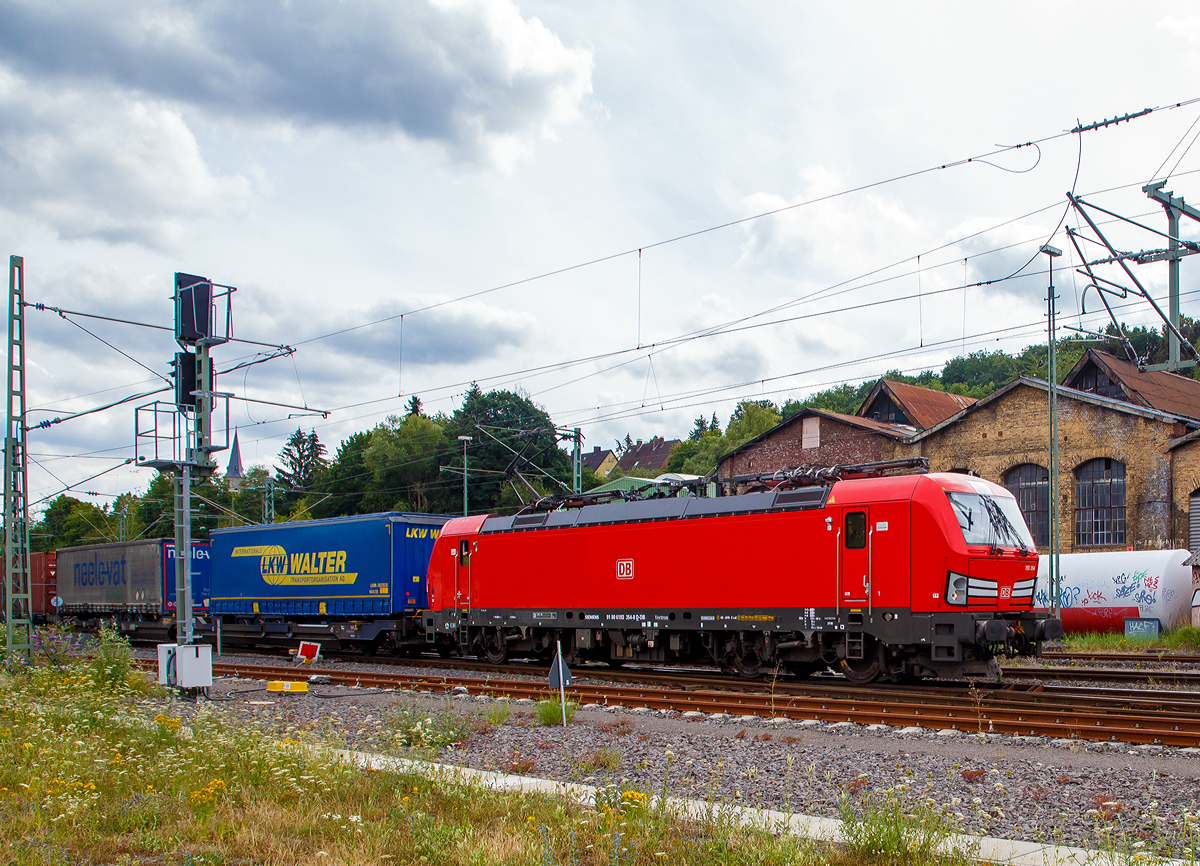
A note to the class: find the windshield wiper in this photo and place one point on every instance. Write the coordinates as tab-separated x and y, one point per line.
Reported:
965	512
1001	523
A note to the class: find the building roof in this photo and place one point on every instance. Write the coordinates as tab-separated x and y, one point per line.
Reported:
650	455
894	431
924	407
593	459
1154	389
1064	393
626	483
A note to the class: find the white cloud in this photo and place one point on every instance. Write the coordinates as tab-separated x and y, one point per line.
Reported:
818	240
473	75
92	164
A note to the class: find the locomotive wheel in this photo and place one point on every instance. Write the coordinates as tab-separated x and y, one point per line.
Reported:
495	647
860	670
743	662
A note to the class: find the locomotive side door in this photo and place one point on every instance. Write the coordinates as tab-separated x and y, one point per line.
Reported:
854	581
462	575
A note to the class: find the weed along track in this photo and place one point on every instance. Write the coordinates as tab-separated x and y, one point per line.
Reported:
1167	718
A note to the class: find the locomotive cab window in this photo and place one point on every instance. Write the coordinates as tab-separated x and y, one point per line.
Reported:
986	520
464	552
856	530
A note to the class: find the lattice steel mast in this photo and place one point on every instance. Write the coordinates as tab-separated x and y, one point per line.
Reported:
17	601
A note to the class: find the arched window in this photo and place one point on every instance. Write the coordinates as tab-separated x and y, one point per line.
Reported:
1100	503
1030	483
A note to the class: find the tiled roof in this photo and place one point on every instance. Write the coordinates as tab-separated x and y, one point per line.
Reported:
923	406
896	431
592	459
1158	389
649	455
1064	393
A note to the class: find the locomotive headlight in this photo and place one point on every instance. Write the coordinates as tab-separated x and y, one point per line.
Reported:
956	588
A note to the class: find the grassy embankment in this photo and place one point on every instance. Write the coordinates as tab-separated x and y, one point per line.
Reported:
1185	639
96	766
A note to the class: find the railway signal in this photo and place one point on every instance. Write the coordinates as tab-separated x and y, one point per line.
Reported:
180	434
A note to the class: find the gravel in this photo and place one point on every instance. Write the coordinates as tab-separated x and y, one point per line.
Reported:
1030	788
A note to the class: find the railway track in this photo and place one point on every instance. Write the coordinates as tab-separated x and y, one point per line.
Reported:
1169	718
1145	656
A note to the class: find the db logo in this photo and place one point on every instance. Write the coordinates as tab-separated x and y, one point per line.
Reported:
1006	592
624	569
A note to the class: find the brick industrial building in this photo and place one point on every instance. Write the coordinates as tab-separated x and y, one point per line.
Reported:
1129	449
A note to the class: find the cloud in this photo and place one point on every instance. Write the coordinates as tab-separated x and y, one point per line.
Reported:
817	241
473	75
96	165
461	333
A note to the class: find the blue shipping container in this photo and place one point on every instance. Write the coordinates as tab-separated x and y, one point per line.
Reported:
201	575
367	565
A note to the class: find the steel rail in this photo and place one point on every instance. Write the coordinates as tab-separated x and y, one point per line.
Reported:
1127	717
1144	656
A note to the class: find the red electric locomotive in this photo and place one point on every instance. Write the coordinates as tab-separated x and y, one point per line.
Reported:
891	577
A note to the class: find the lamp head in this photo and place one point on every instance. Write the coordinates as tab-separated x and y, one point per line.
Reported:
1053	252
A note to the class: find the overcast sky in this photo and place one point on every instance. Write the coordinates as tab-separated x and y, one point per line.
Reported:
347	162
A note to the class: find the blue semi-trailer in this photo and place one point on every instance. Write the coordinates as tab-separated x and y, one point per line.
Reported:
358	581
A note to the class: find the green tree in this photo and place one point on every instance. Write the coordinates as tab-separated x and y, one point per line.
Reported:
156	507
981	371
509	433
684	451
68	522
303	458
340	488
750	419
402	456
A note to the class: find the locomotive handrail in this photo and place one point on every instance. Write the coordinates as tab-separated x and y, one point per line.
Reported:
870	559
837	578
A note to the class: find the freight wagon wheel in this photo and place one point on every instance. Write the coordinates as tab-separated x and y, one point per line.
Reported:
495	647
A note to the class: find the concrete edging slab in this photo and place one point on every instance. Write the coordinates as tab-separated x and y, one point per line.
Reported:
988	849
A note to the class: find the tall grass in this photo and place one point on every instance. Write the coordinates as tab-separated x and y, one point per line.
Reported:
99	768
1183	639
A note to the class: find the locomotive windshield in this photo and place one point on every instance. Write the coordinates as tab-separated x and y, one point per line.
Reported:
992	520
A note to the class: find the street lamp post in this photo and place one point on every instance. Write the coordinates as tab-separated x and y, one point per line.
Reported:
464	440
1053	559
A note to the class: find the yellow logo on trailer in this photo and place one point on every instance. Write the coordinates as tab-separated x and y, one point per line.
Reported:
315	568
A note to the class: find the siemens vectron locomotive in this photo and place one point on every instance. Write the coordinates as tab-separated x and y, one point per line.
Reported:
890	577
